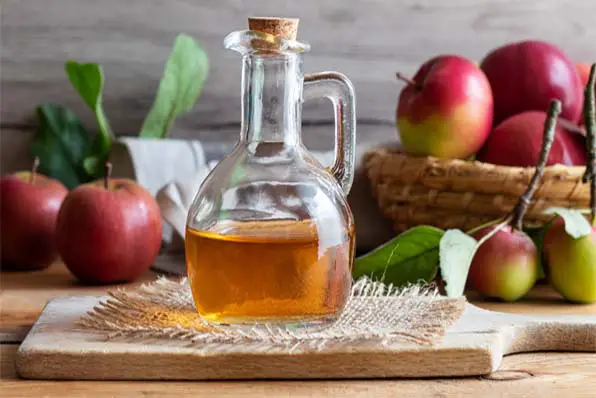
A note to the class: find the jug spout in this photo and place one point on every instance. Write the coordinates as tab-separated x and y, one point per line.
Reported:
272	80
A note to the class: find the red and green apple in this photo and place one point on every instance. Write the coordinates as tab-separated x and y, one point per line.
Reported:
506	266
446	110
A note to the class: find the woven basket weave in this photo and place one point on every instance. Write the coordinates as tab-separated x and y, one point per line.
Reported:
461	194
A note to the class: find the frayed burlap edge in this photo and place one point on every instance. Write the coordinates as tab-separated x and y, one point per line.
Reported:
375	311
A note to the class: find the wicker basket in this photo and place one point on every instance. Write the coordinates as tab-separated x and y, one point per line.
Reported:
450	193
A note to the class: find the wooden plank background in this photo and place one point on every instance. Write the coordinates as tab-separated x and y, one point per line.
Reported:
366	39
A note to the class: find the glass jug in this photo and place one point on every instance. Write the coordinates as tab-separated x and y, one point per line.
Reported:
270	236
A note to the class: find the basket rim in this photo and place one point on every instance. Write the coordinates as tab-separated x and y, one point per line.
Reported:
448	162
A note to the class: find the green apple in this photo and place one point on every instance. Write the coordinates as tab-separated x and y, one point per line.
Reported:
571	263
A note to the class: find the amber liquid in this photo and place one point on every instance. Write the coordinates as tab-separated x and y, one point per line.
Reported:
269	271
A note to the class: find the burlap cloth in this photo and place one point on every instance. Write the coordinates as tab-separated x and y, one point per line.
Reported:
164	310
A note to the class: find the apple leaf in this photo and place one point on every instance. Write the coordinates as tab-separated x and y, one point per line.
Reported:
456	253
411	257
88	79
180	86
576	224
60	143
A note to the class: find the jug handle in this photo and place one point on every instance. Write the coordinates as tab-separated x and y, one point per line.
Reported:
338	88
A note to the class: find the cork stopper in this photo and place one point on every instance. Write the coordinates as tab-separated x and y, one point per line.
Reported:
285	28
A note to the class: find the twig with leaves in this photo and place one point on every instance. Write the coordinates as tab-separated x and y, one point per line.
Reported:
65	147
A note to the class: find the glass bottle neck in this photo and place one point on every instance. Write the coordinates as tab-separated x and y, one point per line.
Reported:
271	98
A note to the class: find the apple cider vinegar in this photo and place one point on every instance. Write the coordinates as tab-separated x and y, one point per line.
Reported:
267	271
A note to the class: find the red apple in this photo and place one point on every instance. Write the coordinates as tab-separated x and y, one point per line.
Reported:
505	266
109	231
525	76
29	204
584	73
446	110
517	142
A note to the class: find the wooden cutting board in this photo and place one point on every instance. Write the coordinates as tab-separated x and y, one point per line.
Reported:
474	346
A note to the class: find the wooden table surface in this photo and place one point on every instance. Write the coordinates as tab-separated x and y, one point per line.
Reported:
23	296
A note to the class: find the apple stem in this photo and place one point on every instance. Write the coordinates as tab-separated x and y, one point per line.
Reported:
570	126
408	81
107	174
520	209
34	169
590	122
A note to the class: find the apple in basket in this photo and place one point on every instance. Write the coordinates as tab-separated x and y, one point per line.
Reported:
446	110
29	205
526	75
517	141
109	231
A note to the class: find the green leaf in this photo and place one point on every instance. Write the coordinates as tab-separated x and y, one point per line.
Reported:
456	253
180	86
88	80
60	143
411	257
576	224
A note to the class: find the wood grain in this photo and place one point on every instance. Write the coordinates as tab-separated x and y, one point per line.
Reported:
547	374
24	294
56	348
367	40
14	149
